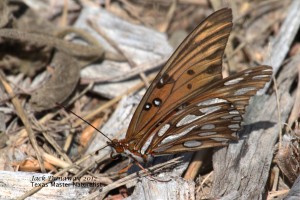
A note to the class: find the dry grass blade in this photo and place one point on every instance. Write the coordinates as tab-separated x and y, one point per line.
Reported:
132	178
23	116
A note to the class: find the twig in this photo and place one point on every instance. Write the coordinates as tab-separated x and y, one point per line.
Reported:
67	168
278	110
276	177
118	49
23	116
131	178
110	103
296	108
52	141
196	164
204	180
169	16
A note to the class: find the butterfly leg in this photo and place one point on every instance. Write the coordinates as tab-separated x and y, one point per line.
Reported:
114	156
125	169
146	171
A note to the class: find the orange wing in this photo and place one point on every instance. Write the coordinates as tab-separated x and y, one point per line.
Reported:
196	64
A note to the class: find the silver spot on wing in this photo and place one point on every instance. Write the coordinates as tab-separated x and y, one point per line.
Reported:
188	119
259	77
210	109
147	143
212	101
192	143
172	138
207	133
234	112
248	72
243	90
237	118
191	118
219	139
234	81
208	127
164	129
234	126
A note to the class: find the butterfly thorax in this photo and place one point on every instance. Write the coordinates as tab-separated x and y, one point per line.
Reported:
124	147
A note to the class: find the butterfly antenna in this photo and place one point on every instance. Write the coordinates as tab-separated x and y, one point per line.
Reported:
84	120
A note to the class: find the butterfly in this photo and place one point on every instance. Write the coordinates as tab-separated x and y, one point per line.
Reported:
189	105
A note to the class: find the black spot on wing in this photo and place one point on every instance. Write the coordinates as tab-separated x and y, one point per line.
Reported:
147	106
157	102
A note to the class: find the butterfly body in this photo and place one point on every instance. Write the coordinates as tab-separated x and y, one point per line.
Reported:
189	105
124	147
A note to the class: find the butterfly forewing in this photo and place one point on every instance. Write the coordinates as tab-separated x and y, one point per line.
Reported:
196	64
189	105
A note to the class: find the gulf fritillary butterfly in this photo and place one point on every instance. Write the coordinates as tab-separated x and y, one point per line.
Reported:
189	105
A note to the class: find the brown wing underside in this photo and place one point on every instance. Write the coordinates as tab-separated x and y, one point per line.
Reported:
219	111
196	64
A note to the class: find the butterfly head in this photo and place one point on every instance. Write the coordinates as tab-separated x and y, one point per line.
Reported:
118	146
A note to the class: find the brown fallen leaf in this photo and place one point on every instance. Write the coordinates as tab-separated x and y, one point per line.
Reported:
60	86
32	165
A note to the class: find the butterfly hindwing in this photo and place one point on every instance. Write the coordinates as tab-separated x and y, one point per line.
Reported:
211	118
196	64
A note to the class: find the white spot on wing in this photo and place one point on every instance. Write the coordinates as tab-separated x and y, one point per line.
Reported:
233	81
208	127
219	139
234	126
234	112
248	72
147	143
160	149
226	117
188	119
243	90
172	138
237	118
259	77
191	118
207	133
267	70
211	101
193	143
210	109
163	130
156	102
161	81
